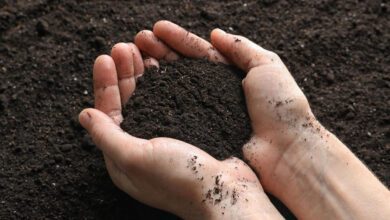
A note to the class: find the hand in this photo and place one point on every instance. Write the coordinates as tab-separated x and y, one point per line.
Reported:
163	172
277	107
298	160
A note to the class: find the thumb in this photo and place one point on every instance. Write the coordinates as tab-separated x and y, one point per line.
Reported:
118	145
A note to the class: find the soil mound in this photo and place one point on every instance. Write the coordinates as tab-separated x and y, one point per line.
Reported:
187	100
336	50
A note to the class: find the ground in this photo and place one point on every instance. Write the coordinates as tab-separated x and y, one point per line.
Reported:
338	51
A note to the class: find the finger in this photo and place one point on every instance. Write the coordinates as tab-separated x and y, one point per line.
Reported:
106	90
241	51
147	42
137	59
118	145
185	42
122	55
150	62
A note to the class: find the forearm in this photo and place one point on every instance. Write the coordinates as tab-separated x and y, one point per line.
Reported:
329	181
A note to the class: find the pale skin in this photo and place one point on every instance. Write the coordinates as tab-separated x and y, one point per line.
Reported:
291	155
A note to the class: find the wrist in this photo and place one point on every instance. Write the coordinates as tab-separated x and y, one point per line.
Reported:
321	178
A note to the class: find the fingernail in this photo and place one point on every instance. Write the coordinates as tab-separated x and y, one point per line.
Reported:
85	118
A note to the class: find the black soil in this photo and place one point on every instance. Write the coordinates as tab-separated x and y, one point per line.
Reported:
194	101
338	51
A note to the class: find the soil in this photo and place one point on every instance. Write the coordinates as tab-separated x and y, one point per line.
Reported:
338	51
187	100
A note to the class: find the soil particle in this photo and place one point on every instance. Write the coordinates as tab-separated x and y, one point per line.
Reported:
192	161
210	14
65	147
87	143
186	100
42	27
343	67
235	196
216	194
58	158
98	42
3	102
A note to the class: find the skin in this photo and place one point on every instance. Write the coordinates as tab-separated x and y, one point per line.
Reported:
293	155
144	168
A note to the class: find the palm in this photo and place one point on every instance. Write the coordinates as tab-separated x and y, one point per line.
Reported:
169	163
165	164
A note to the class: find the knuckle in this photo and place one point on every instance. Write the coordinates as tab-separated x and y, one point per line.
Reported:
276	69
155	143
251	77
243	82
250	82
232	160
301	106
247	150
273	56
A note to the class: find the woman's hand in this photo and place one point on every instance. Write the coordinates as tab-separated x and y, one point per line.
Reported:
298	160
165	173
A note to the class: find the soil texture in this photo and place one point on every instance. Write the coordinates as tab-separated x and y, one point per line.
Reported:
338	51
195	101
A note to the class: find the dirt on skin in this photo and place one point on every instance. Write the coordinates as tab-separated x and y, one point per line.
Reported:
188	101
198	102
336	50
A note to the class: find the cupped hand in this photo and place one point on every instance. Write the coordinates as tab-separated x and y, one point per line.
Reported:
165	173
275	103
296	158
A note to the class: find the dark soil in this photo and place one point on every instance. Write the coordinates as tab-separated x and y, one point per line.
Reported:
194	101
338	51
187	100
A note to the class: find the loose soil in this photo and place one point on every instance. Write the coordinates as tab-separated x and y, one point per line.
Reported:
338	51
187	100
194	101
